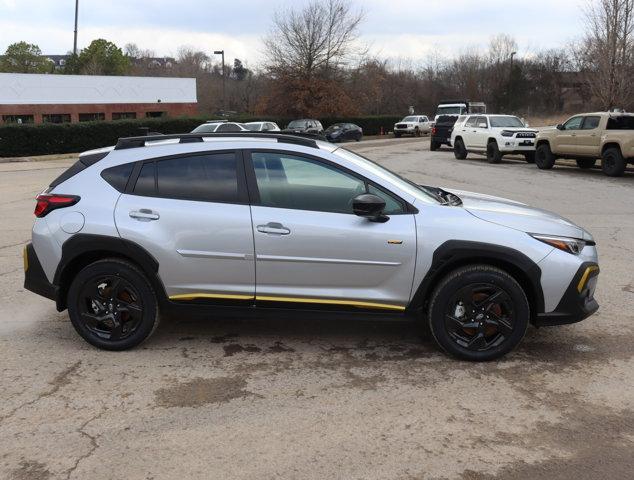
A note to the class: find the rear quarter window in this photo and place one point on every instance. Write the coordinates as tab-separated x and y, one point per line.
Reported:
621	123
118	176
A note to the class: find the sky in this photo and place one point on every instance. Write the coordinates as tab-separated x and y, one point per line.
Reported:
399	30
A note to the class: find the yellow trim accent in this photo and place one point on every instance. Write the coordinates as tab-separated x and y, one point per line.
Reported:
194	296
25	258
351	303
395	242
584	277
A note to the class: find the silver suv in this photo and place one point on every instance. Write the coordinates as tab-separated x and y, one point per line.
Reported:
282	223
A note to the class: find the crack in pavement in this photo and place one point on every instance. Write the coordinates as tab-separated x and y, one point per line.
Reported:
93	442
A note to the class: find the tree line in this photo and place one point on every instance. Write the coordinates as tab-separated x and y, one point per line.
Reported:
316	66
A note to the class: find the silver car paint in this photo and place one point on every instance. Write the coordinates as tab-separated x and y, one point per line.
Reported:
183	244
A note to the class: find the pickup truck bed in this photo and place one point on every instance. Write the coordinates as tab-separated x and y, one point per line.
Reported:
441	131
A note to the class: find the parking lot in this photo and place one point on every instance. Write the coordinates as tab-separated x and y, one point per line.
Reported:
231	399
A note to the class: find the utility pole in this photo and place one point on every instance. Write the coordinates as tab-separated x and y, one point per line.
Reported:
76	15
224	91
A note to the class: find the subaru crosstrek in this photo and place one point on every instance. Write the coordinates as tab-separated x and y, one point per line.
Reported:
271	223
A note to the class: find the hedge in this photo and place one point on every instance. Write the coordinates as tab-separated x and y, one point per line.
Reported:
26	140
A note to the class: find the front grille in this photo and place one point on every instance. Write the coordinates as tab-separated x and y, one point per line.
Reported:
401	125
525	135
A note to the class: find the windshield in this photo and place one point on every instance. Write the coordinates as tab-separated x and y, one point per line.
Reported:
449	110
402	183
206	128
336	126
410	119
505	121
297	124
254	127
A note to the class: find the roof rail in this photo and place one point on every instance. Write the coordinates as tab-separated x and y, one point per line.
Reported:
136	142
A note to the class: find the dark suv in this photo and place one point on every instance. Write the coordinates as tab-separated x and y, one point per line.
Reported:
305	125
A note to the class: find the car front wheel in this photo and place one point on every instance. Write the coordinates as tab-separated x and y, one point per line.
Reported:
112	305
478	313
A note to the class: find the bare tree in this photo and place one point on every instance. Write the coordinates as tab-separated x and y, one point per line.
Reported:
605	54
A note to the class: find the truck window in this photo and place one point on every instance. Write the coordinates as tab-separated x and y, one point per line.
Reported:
624	122
590	123
573	124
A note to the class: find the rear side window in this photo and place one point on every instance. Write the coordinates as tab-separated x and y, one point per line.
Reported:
118	176
590	123
472	122
625	122
208	177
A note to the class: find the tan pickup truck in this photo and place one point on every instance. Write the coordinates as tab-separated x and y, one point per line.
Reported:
588	137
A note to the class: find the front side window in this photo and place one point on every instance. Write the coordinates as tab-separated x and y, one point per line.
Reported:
210	177
573	124
287	181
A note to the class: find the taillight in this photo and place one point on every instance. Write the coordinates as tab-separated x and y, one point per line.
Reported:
433	130
47	202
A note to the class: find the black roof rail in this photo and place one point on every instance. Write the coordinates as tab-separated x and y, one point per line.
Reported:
136	142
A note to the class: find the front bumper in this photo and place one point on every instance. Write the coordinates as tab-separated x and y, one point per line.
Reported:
578	302
34	277
517	145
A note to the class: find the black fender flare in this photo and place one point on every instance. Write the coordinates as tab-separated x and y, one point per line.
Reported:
457	253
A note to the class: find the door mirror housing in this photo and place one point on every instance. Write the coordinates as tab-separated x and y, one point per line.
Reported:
560	126
369	206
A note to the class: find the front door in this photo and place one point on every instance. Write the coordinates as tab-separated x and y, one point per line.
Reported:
566	139
589	137
192	214
312	250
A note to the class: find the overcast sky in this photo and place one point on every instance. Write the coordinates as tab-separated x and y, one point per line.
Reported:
395	29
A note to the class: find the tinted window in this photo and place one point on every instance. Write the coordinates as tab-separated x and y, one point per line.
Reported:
118	176
285	181
590	123
209	177
145	184
573	124
624	122
228	128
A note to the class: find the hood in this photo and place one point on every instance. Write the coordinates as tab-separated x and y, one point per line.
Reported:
517	129
518	216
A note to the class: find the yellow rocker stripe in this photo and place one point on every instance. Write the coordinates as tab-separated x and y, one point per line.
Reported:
194	296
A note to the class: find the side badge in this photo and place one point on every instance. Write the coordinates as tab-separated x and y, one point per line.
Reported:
395	242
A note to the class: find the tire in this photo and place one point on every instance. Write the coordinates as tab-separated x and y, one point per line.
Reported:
529	157
110	320
586	163
612	162
493	153
433	146
417	132
467	323
397	135
544	158
459	150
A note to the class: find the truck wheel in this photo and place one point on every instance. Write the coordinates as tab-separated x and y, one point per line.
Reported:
493	153
417	132
586	162
459	151
433	146
544	158
478	313
397	135
613	163
530	157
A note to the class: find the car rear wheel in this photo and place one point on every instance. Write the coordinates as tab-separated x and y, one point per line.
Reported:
478	313
613	163
544	158
586	162
459	150
112	305
493	153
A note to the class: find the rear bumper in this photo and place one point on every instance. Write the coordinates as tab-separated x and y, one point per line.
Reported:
578	302
34	277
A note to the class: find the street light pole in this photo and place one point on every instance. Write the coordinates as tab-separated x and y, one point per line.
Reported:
224	91
76	17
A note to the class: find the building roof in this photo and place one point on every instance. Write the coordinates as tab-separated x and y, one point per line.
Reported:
38	89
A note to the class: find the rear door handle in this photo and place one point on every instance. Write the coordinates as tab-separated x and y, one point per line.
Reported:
273	228
144	215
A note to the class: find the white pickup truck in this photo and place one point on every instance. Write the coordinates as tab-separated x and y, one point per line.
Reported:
416	125
493	136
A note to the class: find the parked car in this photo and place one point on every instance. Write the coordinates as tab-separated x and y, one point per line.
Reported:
587	137
459	107
216	126
441	131
305	125
183	222
341	132
412	125
493	136
261	126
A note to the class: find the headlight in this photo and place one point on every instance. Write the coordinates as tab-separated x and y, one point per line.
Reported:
506	133
567	244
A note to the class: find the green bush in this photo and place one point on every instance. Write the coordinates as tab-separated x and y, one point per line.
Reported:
26	140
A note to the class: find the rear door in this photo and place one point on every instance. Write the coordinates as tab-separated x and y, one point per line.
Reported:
589	137
469	132
191	213
481	133
310	247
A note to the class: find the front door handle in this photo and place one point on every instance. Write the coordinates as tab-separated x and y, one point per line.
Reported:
273	228
144	215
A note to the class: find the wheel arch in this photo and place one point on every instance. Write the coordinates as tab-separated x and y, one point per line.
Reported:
457	253
492	140
611	145
81	250
542	142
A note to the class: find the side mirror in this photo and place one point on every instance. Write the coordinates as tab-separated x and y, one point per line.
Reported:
560	127
369	206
